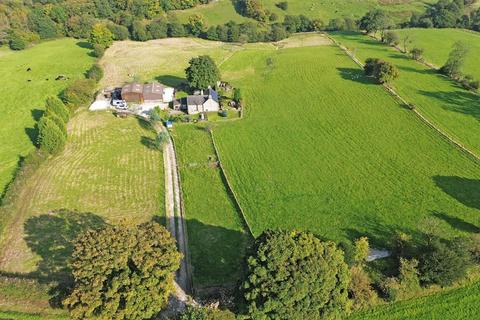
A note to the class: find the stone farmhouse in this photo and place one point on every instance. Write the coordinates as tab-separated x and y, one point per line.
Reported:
193	104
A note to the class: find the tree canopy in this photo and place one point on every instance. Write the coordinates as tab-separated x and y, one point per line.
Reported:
122	273
202	73
294	275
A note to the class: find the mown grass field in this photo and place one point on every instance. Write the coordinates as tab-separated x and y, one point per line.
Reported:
454	304
438	43
107	174
221	11
453	109
22	101
322	148
216	234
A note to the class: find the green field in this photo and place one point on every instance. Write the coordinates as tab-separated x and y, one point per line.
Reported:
438	43
221	11
22	101
324	149
453	109
454	304
216	235
107	174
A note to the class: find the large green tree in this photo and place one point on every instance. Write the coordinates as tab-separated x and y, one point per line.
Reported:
456	59
122	272
294	275
202	73
101	35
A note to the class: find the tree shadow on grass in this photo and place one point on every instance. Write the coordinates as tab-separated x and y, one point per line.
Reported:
172	81
417	70
84	45
217	255
464	190
51	236
458	101
457	223
355	74
149	142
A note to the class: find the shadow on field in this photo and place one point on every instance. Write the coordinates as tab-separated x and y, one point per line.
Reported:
355	74
32	132
172	81
457	223
418	70
217	254
459	101
84	45
148	142
51	237
464	190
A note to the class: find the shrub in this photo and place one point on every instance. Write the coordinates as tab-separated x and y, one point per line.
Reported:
16	42
98	50
55	106
362	248
59	122
443	263
50	137
283	278
237	95
95	72
391	38
125	273
282	5
407	284
79	93
417	54
360	289
118	32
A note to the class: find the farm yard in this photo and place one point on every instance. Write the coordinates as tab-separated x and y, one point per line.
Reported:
23	100
450	107
107	174
438	44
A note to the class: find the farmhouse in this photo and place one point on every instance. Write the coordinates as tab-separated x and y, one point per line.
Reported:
198	103
153	92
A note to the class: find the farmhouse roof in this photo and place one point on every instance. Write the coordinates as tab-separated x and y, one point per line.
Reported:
132	87
200	99
153	91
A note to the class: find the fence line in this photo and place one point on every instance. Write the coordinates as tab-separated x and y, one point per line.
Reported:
420	116
229	185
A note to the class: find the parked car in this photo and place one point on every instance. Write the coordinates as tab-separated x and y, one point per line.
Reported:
119	104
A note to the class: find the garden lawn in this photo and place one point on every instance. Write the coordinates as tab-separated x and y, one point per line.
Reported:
217	237
324	149
455	110
22	101
438	43
454	304
107	174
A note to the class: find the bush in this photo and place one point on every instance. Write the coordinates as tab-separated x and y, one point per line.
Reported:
382	71
282	5
391	38
119	32
125	273
95	72
406	286
55	106
283	278
16	42
98	50
417	54
59	122
360	289
442	263
50	137
79	93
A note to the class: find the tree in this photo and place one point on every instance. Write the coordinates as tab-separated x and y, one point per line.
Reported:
360	289
382	71
54	105
362	249
157	29
196	24
98	50
442	263
456	58
160	140
122	273
138	31
376	20
417	54
79	92
202	313
101	35
118	32
392	38
95	72
176	29
202	72
50	137
294	275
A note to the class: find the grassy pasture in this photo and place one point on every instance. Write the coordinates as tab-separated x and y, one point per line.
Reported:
107	174
217	238
221	11
22	101
453	109
454	304
324	149
438	43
